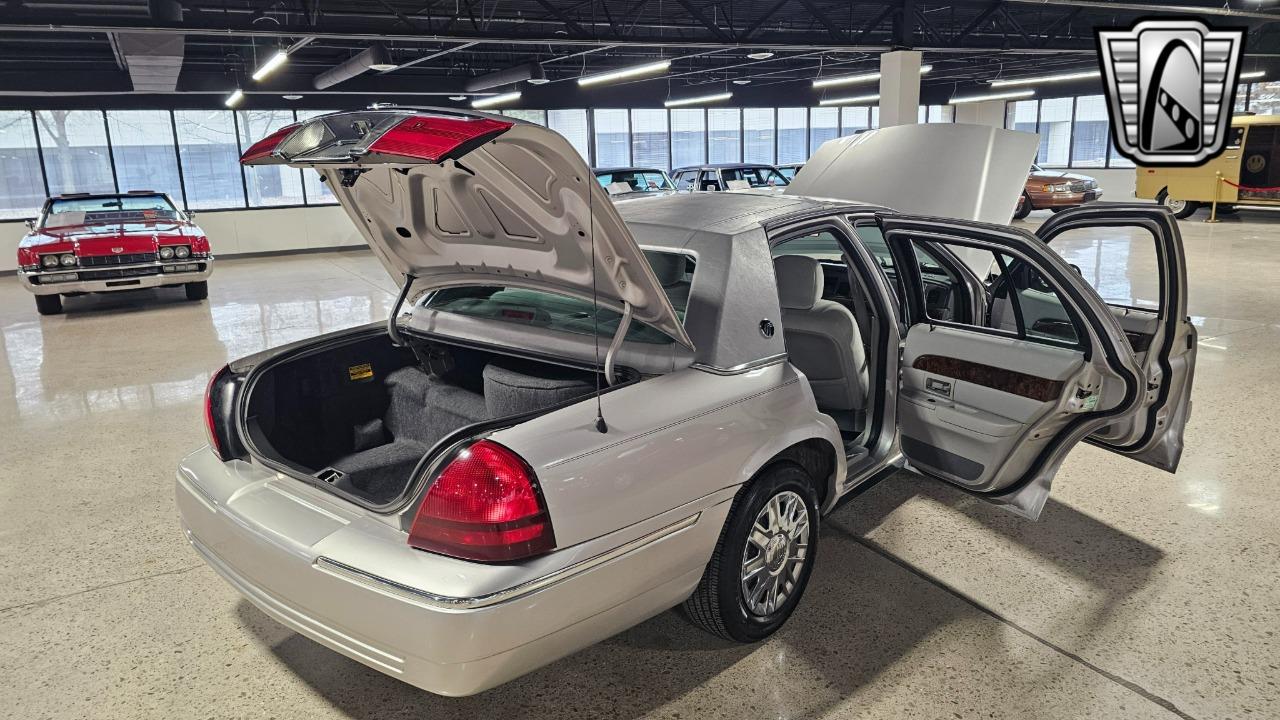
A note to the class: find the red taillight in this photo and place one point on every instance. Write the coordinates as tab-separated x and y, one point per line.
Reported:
268	144
433	137
210	423
485	505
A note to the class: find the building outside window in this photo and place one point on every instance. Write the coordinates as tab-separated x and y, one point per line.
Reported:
144	151
824	125
268	185
1055	132
724	135
853	119
210	159
792	129
688	137
76	157
758	135
613	144
21	184
1090	132
650	146
572	124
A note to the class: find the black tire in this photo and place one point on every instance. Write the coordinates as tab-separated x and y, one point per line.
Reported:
49	304
1182	209
720	605
197	290
1024	209
1055	211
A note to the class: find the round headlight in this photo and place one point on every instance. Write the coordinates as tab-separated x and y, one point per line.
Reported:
182	251
49	261
166	253
68	260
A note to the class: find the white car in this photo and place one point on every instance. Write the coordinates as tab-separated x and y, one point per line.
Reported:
592	412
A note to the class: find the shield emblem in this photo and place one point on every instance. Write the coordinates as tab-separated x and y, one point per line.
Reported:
117	250
1171	86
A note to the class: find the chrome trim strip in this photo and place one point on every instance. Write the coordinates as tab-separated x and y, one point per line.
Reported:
445	602
743	368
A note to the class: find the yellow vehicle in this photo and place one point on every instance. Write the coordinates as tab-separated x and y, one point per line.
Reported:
1251	160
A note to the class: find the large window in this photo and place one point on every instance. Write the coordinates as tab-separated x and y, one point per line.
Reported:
758	137
1055	132
688	138
537	117
1021	115
21	184
1090	134
724	135
649	139
1264	98
144	151
268	185
613	146
854	119
792	135
824	125
210	159
572	124
76	157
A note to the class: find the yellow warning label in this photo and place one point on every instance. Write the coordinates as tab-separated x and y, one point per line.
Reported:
363	371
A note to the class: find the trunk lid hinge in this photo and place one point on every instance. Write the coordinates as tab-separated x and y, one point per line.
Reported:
618	336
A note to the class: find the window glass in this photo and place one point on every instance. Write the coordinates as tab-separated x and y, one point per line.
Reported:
1055	132
649	139
687	180
941	113
1119	262
875	116
824	125
564	313
76	158
572	124
1117	160
853	119
922	114
318	192
109	209
1021	115
613	147
268	185
537	117
753	176
637	180
757	124
1091	133
724	135
688	137
210	159
143	148
1264	98
1242	98
709	181
792	135
21	185
821	245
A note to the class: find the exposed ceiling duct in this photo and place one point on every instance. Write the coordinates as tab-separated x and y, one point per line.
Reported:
153	60
374	57
526	71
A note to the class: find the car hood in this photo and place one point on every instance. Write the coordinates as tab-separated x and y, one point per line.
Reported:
90	238
455	199
968	172
1053	175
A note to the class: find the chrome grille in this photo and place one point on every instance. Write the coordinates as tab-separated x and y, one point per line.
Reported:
116	273
107	260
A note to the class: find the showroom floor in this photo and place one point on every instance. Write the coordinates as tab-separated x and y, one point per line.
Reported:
1137	595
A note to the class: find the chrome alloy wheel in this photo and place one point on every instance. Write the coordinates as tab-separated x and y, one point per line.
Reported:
1175	205
776	552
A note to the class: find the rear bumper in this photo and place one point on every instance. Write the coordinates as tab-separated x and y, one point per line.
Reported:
31	280
351	583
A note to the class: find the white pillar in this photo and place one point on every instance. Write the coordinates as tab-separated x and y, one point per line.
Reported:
990	112
899	88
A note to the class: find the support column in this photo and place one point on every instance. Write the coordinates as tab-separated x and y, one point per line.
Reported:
899	88
989	113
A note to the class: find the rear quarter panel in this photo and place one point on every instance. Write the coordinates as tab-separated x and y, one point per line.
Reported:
672	441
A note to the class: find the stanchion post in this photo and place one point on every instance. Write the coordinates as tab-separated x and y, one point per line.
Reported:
1217	193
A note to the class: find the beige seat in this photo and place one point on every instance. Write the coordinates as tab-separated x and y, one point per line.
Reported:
821	336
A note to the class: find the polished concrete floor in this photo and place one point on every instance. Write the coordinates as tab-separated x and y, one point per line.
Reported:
1138	594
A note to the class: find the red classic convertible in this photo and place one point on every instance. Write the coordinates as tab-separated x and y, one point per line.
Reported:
85	243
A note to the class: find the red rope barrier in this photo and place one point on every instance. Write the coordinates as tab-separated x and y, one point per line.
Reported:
1250	188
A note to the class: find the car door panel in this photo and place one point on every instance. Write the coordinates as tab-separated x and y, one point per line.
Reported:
995	411
1163	340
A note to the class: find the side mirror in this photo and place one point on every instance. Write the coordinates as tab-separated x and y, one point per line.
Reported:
1077	269
31	224
191	214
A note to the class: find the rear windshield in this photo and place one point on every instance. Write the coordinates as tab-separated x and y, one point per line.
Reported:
564	313
66	212
755	176
636	180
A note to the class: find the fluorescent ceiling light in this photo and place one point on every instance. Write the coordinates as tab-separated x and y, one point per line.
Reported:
496	100
851	79
660	66
742	81
996	96
1046	79
270	66
291	97
760	55
1253	75
539	81
849	100
234	98
699	99
457	98
383	67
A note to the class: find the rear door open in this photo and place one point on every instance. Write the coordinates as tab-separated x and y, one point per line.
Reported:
455	199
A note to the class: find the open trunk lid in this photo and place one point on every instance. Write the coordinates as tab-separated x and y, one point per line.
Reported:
455	198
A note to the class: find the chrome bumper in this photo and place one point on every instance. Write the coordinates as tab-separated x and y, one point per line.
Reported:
31	279
352	583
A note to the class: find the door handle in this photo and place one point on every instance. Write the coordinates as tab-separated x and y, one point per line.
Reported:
939	387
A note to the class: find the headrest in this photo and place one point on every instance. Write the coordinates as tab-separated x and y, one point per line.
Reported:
669	267
799	281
